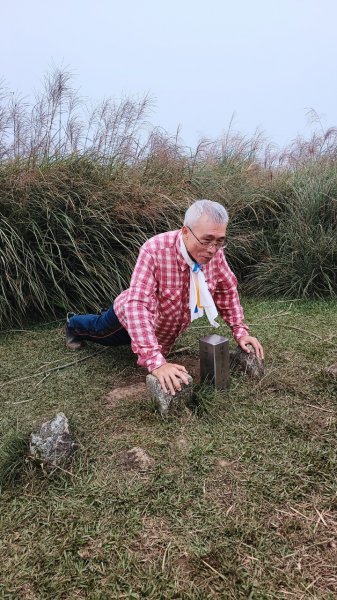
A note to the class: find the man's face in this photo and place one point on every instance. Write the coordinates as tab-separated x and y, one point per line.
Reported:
206	231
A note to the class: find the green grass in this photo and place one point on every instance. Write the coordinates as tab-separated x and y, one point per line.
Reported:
241	502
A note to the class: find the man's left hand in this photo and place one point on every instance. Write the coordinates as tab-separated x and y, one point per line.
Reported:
247	340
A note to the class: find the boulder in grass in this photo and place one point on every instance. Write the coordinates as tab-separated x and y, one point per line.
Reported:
165	401
53	444
331	371
247	363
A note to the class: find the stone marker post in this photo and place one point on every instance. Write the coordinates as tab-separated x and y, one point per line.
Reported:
214	360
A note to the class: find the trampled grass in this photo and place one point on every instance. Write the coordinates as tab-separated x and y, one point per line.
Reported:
241	502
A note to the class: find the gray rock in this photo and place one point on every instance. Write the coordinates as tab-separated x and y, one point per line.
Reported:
331	371
163	401
53	444
247	363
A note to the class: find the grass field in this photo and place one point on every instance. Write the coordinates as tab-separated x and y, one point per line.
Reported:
241	501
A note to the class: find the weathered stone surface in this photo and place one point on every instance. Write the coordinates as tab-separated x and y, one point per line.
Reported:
331	371
52	444
138	459
247	363
163	401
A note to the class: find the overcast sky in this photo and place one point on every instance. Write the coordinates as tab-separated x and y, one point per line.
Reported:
266	61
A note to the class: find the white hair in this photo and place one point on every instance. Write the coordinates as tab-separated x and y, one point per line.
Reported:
214	211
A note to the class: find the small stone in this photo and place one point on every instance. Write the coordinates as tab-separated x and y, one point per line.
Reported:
331	371
247	363
137	458
165	401
52	444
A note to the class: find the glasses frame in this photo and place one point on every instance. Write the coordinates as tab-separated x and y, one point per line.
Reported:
209	244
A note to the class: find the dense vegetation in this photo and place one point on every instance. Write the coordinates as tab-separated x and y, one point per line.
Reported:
79	195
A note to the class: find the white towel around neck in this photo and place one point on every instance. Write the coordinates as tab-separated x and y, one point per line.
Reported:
197	279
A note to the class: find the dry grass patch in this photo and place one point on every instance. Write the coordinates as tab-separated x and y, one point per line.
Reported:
154	538
309	531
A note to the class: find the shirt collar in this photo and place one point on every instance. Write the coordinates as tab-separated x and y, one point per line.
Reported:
180	259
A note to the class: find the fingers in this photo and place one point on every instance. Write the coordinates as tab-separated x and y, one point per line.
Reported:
166	384
170	383
247	341
182	373
162	383
260	352
257	347
175	377
244	345
170	377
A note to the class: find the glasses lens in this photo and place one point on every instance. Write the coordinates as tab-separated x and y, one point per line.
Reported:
217	245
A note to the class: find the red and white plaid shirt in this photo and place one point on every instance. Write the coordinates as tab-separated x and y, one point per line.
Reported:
155	308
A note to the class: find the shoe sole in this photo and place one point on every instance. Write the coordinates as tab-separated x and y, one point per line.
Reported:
74	346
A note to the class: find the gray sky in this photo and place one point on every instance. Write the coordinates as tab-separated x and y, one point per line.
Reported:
266	61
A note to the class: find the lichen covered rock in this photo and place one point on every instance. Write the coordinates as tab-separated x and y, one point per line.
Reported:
247	363
331	371
165	401
53	444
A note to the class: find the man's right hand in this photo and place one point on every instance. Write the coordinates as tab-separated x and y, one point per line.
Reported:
170	376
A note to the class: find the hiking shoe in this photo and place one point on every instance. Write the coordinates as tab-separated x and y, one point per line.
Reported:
73	342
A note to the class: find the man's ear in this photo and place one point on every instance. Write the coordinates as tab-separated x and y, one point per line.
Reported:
184	230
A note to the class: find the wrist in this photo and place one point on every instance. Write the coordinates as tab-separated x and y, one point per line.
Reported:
157	368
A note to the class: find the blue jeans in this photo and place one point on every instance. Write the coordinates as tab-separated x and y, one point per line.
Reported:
103	328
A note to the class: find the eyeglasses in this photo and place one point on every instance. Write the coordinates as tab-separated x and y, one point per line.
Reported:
216	245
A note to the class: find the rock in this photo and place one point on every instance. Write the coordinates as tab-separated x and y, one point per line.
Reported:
165	401
331	371
137	458
249	364
52	444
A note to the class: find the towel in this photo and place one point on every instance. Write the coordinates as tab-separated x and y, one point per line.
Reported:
200	297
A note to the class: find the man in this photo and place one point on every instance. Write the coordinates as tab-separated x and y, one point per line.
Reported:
178	276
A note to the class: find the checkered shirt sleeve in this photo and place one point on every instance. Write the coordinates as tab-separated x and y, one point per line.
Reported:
140	313
227	299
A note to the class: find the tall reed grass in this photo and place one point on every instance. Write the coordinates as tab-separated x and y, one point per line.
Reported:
79	195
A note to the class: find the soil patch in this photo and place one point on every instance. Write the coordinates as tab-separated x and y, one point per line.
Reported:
137	459
192	365
126	392
134	390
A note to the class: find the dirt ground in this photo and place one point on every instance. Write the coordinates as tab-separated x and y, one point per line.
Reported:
135	386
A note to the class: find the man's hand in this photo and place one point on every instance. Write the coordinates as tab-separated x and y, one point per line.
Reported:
170	376
247	340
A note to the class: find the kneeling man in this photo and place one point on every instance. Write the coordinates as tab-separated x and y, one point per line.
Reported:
179	276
